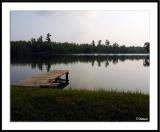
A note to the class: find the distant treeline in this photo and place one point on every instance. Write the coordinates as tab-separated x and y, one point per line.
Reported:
38	47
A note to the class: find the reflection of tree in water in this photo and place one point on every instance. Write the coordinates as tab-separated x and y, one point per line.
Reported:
40	66
107	63
93	62
48	67
123	58
33	65
146	61
39	62
115	60
99	63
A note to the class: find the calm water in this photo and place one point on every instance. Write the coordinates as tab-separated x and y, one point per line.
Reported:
116	72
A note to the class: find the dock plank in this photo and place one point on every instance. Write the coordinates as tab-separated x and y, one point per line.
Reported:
42	78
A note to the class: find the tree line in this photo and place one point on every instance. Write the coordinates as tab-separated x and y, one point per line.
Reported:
48	47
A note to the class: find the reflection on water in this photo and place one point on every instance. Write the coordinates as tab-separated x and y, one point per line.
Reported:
117	72
71	59
146	61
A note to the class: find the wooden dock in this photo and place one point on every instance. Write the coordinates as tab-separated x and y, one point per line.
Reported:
52	78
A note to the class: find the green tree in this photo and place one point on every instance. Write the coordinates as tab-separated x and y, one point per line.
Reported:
147	46
99	42
107	42
115	45
93	43
33	40
40	39
48	37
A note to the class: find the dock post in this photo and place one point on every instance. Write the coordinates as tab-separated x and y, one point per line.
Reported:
67	77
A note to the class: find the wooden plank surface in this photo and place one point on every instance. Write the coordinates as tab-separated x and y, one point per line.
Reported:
41	79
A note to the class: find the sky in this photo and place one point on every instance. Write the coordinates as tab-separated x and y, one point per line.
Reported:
123	27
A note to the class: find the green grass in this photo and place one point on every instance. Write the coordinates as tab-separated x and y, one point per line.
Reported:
47	104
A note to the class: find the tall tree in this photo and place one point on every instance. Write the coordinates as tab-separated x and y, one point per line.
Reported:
33	40
99	42
48	37
93	43
107	42
115	45
40	39
146	46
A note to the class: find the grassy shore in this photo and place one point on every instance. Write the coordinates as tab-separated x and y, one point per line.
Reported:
46	104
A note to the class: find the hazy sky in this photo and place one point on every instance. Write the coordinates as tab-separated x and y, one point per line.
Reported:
123	27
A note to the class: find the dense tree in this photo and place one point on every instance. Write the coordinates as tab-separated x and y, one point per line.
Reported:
115	45
30	48
33	40
40	39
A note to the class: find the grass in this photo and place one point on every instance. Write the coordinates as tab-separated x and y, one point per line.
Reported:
46	104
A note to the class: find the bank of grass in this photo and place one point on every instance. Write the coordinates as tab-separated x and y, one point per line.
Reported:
47	104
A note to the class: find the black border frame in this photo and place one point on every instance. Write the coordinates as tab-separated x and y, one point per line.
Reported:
130	1
79	0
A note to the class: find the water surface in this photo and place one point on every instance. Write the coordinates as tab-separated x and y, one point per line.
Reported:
116	72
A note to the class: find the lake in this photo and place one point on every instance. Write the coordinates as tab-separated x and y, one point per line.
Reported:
129	72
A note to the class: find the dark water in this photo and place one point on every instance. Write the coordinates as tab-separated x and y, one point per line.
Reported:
116	72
